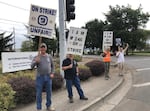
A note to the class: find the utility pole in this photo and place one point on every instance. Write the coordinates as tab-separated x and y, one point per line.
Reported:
62	38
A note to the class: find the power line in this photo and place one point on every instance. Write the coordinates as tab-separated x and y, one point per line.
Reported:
11	24
12	21
13	6
11	32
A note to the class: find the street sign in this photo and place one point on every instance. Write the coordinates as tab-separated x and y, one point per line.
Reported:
107	39
76	40
41	21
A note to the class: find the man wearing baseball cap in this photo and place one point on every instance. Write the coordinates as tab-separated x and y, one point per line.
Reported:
44	75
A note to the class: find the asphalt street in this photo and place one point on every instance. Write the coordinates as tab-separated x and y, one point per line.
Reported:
138	97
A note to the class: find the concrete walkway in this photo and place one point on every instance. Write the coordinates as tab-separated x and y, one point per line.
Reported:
96	88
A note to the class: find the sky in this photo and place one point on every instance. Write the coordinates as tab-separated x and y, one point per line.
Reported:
15	13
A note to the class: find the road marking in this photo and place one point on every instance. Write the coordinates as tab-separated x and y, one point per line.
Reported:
142	85
143	69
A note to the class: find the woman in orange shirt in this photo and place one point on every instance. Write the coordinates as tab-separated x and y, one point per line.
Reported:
107	59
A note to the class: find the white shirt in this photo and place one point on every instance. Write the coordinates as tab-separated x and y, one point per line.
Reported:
120	56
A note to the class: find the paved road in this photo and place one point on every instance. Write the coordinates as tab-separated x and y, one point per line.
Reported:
138	97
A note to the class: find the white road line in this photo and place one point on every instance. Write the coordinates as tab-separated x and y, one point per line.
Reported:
141	85
143	69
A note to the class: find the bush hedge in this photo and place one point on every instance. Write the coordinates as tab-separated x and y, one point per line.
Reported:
96	66
57	81
84	73
78	58
6	97
25	89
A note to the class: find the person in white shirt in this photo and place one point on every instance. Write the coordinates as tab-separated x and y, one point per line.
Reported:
121	59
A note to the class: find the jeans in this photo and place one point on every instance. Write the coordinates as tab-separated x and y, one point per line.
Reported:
107	66
76	82
43	80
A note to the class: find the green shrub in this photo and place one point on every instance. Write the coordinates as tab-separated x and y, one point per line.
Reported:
57	63
57	81
25	89
84	73
78	58
57	70
26	73
96	66
3	79
6	97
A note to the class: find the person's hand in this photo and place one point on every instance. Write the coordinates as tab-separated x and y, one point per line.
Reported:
127	44
51	75
103	54
37	59
70	66
77	73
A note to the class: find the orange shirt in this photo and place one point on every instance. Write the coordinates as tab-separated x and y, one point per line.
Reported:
107	58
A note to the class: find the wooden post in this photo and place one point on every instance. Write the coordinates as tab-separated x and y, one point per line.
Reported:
40	40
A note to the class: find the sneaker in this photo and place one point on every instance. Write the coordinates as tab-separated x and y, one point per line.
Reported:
106	78
50	109
121	75
83	98
71	100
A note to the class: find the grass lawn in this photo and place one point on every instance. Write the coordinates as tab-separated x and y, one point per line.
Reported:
140	54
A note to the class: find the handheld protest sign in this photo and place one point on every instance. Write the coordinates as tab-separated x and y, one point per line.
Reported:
107	39
76	40
41	21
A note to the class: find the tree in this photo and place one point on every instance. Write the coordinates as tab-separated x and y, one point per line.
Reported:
95	34
5	42
34	42
26	45
126	23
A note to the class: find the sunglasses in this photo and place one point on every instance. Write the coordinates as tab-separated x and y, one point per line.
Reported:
42	47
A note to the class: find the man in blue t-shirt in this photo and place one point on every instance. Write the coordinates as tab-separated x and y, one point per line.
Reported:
71	72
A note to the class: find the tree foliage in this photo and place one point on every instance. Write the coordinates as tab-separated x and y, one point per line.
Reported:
6	43
26	45
95	33
127	23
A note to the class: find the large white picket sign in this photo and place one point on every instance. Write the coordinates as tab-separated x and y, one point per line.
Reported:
41	21
16	61
76	40
107	39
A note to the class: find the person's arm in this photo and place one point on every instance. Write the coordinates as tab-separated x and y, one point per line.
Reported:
103	54
117	54
111	54
35	61
77	70
65	67
52	65
126	48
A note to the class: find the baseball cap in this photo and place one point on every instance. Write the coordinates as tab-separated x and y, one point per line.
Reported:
43	45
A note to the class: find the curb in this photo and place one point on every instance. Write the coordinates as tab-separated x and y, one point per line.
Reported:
102	97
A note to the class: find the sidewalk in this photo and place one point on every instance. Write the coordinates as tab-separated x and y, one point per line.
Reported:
96	88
